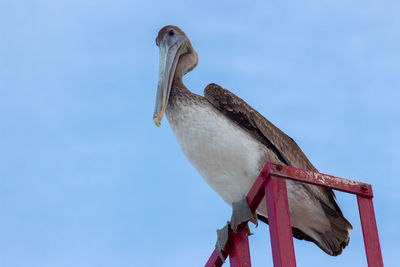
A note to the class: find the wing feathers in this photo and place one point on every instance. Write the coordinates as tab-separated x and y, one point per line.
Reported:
289	153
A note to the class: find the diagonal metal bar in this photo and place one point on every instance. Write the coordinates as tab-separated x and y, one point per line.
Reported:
215	260
254	198
237	248
256	193
271	183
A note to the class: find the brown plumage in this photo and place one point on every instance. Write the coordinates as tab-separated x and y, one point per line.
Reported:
224	111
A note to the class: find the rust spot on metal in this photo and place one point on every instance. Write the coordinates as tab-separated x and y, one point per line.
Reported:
364	188
279	168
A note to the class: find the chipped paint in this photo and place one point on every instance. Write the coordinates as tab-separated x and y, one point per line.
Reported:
324	180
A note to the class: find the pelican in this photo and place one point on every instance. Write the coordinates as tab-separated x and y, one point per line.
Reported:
228	142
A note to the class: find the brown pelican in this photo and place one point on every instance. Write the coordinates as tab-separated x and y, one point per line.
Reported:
228	142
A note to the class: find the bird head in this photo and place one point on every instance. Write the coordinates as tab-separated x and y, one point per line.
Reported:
177	57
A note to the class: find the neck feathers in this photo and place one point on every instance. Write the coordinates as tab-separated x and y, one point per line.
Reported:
187	62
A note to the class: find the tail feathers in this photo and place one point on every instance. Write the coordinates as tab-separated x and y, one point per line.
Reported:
337	237
332	241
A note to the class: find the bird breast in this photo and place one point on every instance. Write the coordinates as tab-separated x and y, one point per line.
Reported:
229	160
224	154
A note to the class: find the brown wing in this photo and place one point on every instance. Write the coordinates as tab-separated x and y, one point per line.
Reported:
264	131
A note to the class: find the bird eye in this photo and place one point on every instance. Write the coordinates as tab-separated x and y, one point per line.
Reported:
171	32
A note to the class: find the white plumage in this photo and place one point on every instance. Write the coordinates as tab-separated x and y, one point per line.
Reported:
229	159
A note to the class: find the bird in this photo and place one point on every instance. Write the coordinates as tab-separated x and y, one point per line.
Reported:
228	142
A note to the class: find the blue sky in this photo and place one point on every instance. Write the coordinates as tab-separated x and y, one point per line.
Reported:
86	179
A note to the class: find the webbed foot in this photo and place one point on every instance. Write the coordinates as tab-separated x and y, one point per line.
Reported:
222	239
241	213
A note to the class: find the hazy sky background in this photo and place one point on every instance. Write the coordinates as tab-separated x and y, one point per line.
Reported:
86	179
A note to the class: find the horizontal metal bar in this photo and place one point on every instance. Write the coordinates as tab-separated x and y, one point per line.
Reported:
316	178
274	170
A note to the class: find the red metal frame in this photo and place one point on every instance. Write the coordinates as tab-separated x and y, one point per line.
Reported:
271	183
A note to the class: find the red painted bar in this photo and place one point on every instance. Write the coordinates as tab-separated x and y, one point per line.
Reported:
270	184
320	179
370	231
256	192
254	198
279	223
239	255
215	260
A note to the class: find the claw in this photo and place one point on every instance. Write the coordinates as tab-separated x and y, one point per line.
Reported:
241	213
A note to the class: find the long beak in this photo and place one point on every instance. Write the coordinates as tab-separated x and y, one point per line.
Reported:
170	51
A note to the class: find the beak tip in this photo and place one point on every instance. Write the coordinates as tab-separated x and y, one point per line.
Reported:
157	122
